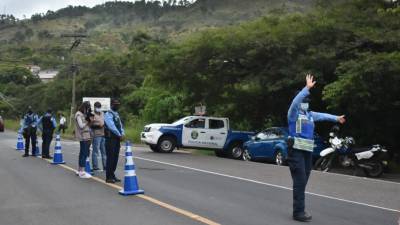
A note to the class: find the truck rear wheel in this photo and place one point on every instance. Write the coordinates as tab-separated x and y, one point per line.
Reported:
236	150
166	144
220	153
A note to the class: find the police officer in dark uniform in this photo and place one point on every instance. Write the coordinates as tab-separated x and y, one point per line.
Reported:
114	133
301	145
47	123
29	127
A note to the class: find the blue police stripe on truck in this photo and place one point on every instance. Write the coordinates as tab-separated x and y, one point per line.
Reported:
175	131
237	136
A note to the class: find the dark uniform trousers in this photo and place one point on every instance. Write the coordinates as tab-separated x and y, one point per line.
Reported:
30	138
300	164
47	136
112	151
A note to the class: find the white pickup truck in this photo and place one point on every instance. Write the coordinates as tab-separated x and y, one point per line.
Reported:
196	132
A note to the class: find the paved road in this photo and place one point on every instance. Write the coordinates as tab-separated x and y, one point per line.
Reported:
221	190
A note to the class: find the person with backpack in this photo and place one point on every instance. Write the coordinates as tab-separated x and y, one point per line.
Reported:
114	134
47	123
97	126
28	127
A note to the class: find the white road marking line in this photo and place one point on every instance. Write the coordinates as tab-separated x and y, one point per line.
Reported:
262	183
267	184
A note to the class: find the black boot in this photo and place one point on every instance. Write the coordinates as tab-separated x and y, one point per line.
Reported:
305	217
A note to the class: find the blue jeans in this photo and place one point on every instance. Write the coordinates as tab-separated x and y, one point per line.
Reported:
300	163
83	152
99	145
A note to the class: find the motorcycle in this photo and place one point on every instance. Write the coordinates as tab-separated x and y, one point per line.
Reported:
371	160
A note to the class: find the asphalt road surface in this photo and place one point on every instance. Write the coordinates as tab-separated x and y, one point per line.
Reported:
181	188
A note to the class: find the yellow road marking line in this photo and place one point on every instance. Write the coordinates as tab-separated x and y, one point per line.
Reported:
150	199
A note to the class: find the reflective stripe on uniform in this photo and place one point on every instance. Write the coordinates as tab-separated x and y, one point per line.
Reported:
303	144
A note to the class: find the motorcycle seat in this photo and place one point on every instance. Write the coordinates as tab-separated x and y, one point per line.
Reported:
361	149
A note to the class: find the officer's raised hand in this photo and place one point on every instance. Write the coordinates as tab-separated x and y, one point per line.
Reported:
341	119
310	82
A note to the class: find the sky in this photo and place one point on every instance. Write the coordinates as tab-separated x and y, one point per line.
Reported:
19	8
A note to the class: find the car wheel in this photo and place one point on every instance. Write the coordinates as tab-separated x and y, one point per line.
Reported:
166	144
246	155
154	148
236	150
279	158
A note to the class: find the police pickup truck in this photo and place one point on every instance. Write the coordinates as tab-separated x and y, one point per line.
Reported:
196	132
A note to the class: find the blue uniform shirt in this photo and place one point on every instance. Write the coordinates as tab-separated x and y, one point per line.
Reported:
301	124
109	121
294	109
29	120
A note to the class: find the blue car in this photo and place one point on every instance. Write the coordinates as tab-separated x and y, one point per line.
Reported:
270	145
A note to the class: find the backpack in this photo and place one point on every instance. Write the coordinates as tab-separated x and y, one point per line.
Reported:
47	123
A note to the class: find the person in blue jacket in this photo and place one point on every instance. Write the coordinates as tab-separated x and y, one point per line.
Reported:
114	133
47	123
29	128
301	143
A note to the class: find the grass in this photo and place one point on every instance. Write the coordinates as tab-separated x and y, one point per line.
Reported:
11	124
206	152
133	127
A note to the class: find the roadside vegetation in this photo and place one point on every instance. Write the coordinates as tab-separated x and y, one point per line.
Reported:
246	71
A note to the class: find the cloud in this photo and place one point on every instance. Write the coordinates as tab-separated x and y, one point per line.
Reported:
28	7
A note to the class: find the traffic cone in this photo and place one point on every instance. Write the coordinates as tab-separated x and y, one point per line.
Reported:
58	157
20	142
87	167
131	186
37	149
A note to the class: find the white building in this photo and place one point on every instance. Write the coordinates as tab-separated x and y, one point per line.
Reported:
47	75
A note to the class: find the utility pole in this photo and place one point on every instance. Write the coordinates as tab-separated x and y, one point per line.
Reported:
74	68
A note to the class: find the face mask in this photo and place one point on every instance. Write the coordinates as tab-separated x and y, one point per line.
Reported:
304	106
97	110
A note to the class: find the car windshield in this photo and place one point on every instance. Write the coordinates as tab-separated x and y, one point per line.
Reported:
181	121
269	134
261	135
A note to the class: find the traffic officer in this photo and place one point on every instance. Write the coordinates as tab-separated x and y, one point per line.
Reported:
114	134
47	123
29	126
301	131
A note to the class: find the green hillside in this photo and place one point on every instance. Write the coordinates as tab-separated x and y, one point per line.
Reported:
242	59
110	26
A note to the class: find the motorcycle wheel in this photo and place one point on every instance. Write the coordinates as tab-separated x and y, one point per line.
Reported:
323	164
376	171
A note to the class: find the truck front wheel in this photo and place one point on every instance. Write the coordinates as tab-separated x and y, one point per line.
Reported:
154	148
166	144
236	150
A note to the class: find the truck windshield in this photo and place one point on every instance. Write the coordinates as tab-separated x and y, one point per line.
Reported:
181	121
